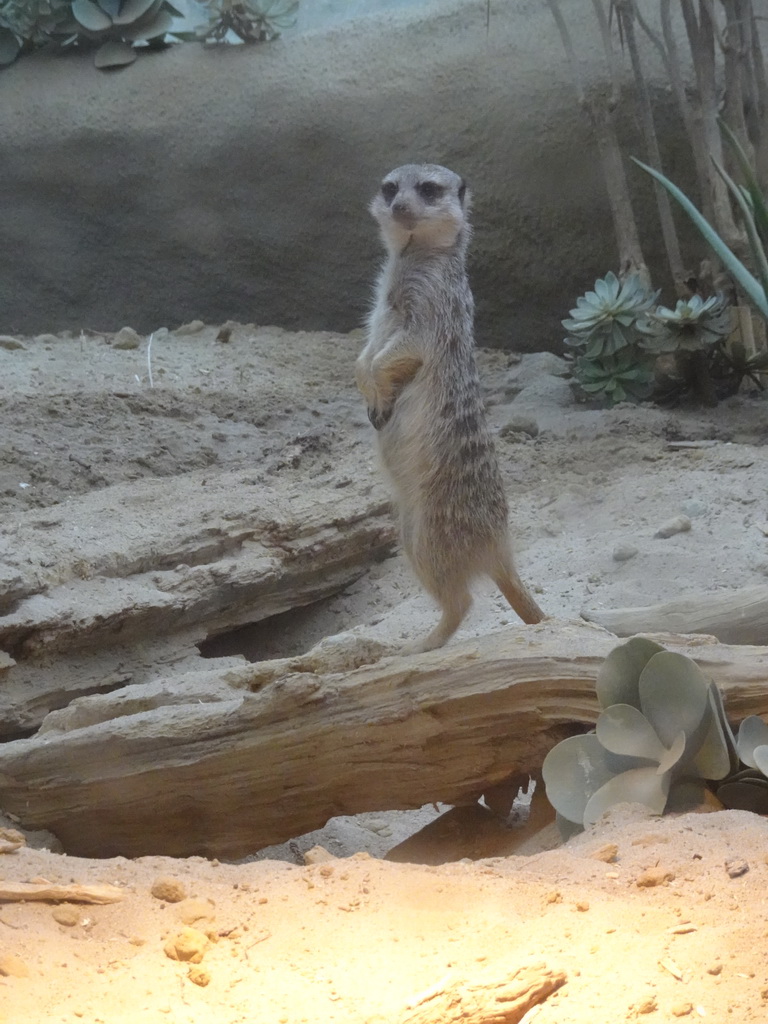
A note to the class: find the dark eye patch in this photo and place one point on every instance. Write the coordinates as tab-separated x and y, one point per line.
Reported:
462	190
429	190
389	190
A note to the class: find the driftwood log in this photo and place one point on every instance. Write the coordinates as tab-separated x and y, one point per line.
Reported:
52	893
493	996
222	762
733	616
89	611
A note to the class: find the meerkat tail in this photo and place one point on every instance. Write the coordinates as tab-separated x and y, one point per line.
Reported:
513	588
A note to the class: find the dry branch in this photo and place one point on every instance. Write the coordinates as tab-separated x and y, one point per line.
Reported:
734	617
499	998
278	748
23	891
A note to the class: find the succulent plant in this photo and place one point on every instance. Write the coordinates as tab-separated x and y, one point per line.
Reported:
25	24
747	790
252	21
662	732
116	25
606	320
626	376
693	324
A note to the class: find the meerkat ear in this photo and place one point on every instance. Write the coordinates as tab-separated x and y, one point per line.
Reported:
462	190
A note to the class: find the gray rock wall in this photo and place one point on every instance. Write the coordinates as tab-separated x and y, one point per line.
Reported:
233	183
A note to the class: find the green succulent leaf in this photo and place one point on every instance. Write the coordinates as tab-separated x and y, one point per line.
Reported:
760	754
636	786
717	756
753	732
674	696
110	7
622	729
91	16
672	756
575	769
618	678
114	54
744	796
145	28
132	10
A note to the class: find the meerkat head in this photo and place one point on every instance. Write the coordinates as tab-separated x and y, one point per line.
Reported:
423	204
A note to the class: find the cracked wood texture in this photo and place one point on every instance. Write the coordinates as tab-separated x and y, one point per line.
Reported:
91	608
224	761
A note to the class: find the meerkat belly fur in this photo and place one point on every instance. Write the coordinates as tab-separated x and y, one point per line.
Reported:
418	375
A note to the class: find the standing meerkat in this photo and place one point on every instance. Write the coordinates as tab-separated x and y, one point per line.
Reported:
418	375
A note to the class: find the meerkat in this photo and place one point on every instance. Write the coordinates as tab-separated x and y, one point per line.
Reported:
418	375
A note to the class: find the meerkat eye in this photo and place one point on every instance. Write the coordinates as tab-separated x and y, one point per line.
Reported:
429	190
389	190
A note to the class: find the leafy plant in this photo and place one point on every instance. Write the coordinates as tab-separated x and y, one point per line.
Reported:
25	24
747	790
252	21
661	734
623	377
116	25
693	325
606	320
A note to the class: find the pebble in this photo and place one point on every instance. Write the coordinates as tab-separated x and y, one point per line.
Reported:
199	976
66	914
693	507
193	327
10	344
13	967
520	425
648	1005
126	338
623	552
606	853
47	339
736	868
682	1009
191	911
189	944
171	890
653	877
680	524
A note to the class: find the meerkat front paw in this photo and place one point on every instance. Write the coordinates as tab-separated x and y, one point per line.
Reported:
380	416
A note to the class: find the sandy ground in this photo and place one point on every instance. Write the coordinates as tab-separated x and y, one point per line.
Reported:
356	940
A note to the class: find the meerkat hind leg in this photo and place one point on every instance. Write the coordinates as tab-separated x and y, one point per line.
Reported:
454	607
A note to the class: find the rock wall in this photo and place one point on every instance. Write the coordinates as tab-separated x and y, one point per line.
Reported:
234	182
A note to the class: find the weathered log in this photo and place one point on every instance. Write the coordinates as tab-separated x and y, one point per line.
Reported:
494	996
226	552
52	893
261	753
734	617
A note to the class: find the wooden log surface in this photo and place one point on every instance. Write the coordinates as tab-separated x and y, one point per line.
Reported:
733	616
255	755
493	996
52	893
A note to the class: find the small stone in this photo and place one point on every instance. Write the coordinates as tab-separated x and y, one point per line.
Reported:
66	914
318	855
623	552
520	425
648	1005
191	911
46	339
13	967
554	897
189	944
582	906
10	344
680	524
199	976
715	969
682	1009
736	868
653	877
607	853
224	334
168	889
193	327
694	508
126	338
11	840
